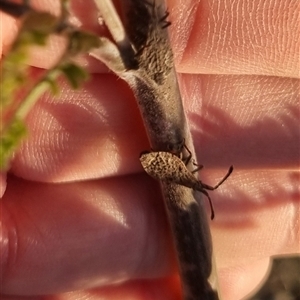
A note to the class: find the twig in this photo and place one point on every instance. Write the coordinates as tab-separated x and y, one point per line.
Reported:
155	86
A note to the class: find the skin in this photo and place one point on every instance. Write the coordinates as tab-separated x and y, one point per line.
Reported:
79	217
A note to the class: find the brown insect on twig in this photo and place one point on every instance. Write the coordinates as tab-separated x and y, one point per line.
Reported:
154	83
166	166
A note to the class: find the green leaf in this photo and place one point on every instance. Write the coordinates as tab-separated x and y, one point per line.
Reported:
74	74
10	140
36	28
13	75
82	42
54	88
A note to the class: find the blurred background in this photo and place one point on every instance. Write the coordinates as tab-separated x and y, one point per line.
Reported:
282	281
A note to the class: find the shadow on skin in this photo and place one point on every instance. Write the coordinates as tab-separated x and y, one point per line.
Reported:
258	145
269	148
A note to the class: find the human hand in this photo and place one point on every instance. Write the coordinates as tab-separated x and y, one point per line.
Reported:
79	215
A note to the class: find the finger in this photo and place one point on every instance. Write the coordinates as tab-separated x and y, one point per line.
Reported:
241	280
97	131
46	56
247	121
220	38
58	238
2	183
158	289
91	133
56	260
251	209
85	16
236	37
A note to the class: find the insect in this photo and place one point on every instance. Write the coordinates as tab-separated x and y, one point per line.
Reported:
166	166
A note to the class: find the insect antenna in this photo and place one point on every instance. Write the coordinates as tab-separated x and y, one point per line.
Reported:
225	177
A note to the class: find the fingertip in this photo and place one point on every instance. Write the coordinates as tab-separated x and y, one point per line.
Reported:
2	183
241	280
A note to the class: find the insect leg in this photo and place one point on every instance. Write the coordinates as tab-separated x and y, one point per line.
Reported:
188	159
199	167
210	203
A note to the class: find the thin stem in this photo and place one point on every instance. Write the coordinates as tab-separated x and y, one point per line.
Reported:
34	94
116	28
112	21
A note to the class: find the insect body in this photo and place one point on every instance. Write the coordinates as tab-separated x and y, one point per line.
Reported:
166	166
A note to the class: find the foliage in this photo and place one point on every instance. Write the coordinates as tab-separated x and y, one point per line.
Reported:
35	30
